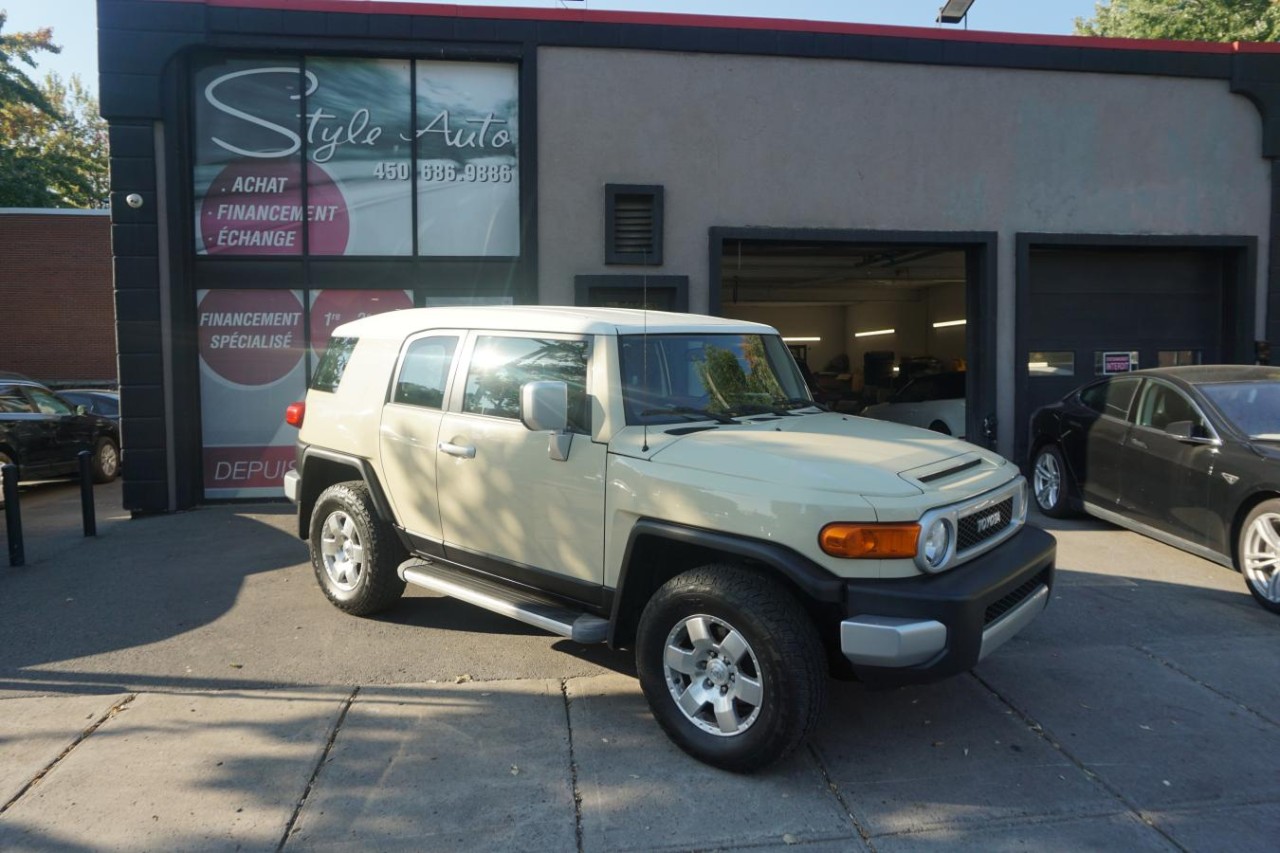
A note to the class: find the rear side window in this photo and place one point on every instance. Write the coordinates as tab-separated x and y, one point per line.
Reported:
1111	397
333	364
13	401
425	371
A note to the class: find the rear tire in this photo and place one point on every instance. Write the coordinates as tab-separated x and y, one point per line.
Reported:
354	553
1258	554
1050	482
940	426
732	667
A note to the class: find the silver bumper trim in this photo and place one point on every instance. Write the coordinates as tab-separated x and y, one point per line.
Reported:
292	481
890	641
999	632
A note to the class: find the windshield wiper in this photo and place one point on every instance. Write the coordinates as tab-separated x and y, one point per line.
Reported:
689	410
801	403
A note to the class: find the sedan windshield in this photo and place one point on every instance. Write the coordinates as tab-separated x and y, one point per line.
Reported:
1253	407
677	378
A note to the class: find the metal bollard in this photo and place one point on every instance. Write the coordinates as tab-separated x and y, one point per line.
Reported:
86	493
12	517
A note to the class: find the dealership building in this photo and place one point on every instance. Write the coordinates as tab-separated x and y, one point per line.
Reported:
1034	210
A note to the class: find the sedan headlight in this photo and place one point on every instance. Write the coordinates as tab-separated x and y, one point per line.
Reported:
935	544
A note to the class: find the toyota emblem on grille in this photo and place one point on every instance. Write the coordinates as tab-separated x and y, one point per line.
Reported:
987	522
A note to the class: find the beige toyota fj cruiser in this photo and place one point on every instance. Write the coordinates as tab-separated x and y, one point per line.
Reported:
665	483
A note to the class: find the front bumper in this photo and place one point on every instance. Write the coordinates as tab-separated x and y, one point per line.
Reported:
929	627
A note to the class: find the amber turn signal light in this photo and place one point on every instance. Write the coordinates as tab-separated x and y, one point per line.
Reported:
870	541
294	414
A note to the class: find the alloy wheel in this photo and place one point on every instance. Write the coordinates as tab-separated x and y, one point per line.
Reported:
341	551
1260	556
108	460
1047	481
713	675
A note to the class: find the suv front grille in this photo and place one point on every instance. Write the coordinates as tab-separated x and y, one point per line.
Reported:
974	529
999	608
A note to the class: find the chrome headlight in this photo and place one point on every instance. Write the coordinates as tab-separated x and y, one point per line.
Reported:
935	544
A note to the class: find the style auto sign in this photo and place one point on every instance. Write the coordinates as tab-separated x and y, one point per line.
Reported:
253	125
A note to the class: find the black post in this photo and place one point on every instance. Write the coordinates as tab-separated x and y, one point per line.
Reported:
86	494
12	517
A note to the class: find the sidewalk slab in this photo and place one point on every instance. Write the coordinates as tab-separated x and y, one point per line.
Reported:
945	755
641	792
181	772
446	767
36	730
1110	832
1160	738
1252	828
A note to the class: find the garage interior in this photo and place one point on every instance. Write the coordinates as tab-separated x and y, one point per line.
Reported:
863	318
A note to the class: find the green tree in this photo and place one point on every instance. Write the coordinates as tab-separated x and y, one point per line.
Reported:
1191	20
54	157
53	143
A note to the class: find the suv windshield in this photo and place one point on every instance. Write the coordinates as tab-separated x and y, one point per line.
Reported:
675	378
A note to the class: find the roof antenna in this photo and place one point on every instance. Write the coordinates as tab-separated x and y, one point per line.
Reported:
644	307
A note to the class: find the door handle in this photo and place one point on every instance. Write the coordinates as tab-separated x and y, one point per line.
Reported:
1138	443
462	451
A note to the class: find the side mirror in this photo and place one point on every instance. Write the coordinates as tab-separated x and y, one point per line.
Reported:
82	409
544	406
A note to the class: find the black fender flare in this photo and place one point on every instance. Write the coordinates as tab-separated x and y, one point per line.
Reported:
812	580
361	465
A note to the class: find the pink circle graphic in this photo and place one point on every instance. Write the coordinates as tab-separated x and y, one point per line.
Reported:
251	337
332	308
254	207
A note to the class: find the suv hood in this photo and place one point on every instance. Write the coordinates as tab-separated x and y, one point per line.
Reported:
826	452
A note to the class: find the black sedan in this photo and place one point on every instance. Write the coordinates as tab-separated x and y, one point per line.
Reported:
1186	455
42	434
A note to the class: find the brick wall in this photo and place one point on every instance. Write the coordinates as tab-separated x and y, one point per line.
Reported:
57	312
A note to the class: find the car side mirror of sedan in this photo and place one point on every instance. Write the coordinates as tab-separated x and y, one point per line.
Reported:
1187	431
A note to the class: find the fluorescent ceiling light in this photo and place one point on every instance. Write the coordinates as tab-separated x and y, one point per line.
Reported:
946	323
873	333
1037	364
953	11
812	340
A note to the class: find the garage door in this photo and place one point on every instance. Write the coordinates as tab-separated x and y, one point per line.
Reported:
1098	311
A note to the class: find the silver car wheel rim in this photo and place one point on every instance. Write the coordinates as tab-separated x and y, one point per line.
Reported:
1048	481
713	675
1260	560
341	551
108	460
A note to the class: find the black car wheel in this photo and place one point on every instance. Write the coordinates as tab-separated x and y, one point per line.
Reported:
731	666
1050	482
1259	554
354	553
106	460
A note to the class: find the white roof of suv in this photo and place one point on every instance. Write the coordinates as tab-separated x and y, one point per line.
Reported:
543	318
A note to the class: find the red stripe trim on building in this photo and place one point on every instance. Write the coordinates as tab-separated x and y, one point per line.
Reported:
442	10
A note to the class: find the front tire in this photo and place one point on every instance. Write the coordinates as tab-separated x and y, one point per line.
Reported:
1259	554
1050	482
106	460
731	666
354	553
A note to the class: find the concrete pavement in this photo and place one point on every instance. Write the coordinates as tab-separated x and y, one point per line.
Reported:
180	684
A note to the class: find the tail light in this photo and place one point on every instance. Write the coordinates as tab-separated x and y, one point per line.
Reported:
294	414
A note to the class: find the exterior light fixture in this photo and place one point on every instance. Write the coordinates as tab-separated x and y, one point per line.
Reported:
873	333
945	323
953	11
810	340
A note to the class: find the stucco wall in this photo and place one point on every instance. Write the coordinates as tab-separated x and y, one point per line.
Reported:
781	142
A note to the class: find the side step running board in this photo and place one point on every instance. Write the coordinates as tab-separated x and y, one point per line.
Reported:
528	607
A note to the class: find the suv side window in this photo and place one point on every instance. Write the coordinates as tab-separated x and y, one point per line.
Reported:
47	404
333	364
424	372
500	365
1110	397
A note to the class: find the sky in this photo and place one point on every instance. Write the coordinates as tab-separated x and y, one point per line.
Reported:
74	25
